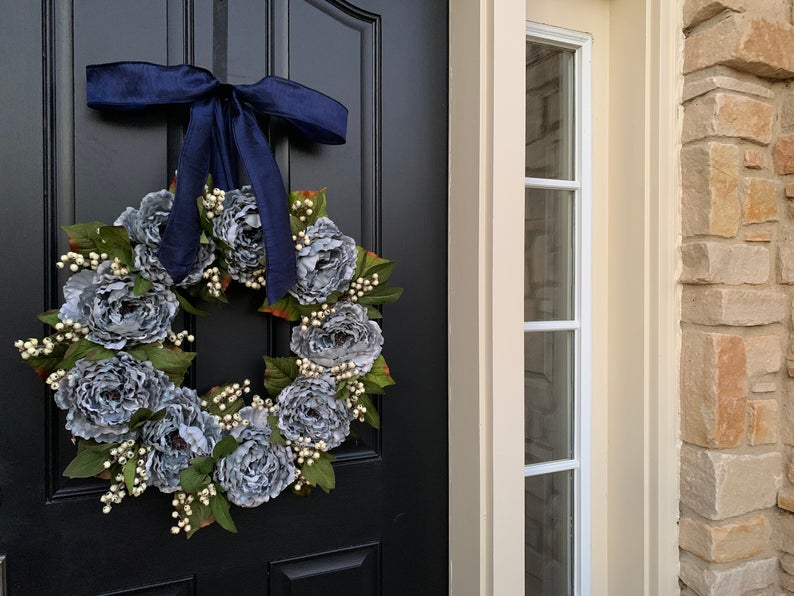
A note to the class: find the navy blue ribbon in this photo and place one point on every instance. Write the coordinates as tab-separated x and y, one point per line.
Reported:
222	119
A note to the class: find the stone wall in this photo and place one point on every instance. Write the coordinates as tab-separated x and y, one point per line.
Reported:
737	361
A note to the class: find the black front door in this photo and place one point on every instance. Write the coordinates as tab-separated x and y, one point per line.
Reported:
384	528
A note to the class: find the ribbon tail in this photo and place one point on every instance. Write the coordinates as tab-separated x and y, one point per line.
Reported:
180	241
259	163
224	163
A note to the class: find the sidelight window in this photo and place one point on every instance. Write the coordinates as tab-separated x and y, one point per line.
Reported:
556	314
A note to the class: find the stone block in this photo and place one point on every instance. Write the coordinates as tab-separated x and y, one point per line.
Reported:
763	387
785	498
697	11
757	236
754	160
724	542
713	389
733	306
725	79
728	115
785	256
787	583
784	531
787	563
790	190
725	580
783	155
764	354
718	485
745	42
763	421
716	263
710	179
759	201
786	428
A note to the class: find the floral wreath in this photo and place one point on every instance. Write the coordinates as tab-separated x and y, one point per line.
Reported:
116	366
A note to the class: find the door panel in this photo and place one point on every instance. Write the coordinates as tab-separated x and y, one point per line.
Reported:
384	529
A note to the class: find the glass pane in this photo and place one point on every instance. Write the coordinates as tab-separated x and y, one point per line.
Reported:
548	396
550	112
548	521
548	255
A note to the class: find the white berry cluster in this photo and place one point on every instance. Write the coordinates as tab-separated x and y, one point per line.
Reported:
361	286
54	379
301	239
65	332
119	268
213	201
125	452
75	260
355	388
253	279
182	512
178	338
213	277
223	399
303	209
315	319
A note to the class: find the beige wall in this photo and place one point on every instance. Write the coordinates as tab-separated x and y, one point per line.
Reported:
634	305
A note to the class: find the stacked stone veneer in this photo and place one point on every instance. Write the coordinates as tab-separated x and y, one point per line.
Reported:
737	360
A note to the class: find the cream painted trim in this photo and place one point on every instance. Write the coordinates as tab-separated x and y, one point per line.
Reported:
663	225
635	491
486	385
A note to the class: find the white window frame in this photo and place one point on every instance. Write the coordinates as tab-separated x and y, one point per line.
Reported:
580	324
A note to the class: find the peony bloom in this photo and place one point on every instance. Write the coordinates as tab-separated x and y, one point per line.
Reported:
115	316
308	408
346	335
326	265
100	397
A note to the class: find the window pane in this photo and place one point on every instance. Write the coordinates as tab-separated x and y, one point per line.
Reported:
548	255
550	121
548	511
548	396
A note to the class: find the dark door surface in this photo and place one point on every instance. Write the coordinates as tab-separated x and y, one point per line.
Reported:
384	528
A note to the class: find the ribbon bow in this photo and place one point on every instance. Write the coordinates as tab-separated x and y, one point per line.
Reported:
219	113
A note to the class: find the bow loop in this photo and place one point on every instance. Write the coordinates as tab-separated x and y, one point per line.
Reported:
221	113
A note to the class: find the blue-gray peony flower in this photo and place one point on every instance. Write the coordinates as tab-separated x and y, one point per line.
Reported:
99	397
145	227
240	228
326	265
308	408
257	470
345	335
186	431
115	316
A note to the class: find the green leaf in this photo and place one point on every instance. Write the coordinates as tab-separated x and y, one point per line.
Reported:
380	266
279	372
371	416
141	285
84	237
220	509
89	460
116	243
50	317
275	432
172	361
187	306
45	365
139	417
203	464
373	313
381	294
287	308
129	473
158	415
201	517
224	447
320	473
319	205
379	375
193	480
84	348
342	391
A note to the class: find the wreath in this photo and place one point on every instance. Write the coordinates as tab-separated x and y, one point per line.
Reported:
116	364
